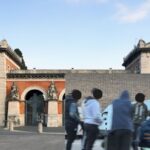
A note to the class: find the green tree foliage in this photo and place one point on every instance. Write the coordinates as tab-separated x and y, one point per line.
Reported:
19	53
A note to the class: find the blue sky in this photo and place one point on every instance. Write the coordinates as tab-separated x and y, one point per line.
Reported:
80	34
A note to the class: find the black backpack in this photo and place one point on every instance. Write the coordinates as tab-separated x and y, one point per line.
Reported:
139	113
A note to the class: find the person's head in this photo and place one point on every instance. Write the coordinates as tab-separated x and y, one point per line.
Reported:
76	94
140	97
97	93
124	95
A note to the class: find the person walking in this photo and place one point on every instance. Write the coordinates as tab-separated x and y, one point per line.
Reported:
140	113
92	118
71	116
120	136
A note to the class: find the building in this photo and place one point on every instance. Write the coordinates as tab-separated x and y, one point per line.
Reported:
138	60
28	96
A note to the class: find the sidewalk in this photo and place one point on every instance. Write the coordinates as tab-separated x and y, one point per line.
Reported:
33	130
28	140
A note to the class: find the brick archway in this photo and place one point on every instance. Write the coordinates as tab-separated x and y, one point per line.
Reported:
61	95
39	81
33	88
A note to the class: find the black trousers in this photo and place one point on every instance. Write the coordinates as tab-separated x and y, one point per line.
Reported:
71	131
84	138
91	132
119	140
135	136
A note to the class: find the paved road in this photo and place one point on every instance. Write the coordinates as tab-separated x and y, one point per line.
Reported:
97	145
31	141
28	140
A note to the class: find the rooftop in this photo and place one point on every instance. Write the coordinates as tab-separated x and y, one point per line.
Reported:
4	47
142	46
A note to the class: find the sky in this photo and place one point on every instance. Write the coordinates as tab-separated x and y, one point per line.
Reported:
79	34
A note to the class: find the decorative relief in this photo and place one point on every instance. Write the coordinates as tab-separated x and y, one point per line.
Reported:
35	76
52	92
4	44
14	94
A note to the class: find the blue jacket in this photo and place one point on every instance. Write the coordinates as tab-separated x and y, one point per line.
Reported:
122	113
71	112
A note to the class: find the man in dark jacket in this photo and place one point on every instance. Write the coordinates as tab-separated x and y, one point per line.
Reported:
71	116
120	136
140	112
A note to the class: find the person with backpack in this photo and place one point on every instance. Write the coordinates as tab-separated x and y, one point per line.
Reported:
120	136
144	135
140	112
72	119
92	118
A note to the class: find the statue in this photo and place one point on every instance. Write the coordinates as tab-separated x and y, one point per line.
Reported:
52	92
4	44
14	92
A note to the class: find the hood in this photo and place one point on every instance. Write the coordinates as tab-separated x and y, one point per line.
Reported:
125	95
88	101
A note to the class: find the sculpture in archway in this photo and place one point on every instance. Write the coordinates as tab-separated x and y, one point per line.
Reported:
52	92
14	94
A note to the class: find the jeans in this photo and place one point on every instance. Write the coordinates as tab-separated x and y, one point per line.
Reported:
119	140
71	136
92	132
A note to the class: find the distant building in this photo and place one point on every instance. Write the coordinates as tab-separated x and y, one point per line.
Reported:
29	96
138	60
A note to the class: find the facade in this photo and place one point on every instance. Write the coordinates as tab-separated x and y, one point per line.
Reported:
8	61
39	93
28	96
138	60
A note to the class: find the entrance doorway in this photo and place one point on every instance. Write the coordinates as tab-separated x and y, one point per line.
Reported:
34	107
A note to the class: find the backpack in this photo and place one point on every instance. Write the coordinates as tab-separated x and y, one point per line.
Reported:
139	113
144	134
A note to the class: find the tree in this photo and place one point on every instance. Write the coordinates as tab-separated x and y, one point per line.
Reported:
19	53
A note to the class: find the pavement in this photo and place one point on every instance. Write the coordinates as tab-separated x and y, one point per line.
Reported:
27	138
56	130
97	145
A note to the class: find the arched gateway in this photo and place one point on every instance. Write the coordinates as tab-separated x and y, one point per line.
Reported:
40	95
34	107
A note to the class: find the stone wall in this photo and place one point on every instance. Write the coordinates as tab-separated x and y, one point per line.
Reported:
135	65
2	88
145	63
111	84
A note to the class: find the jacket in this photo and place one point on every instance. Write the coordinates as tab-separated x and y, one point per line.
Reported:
92	111
122	113
71	112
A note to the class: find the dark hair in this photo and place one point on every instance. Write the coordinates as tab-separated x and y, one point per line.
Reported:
97	93
140	97
76	94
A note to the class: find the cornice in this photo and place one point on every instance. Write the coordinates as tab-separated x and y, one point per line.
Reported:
9	52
